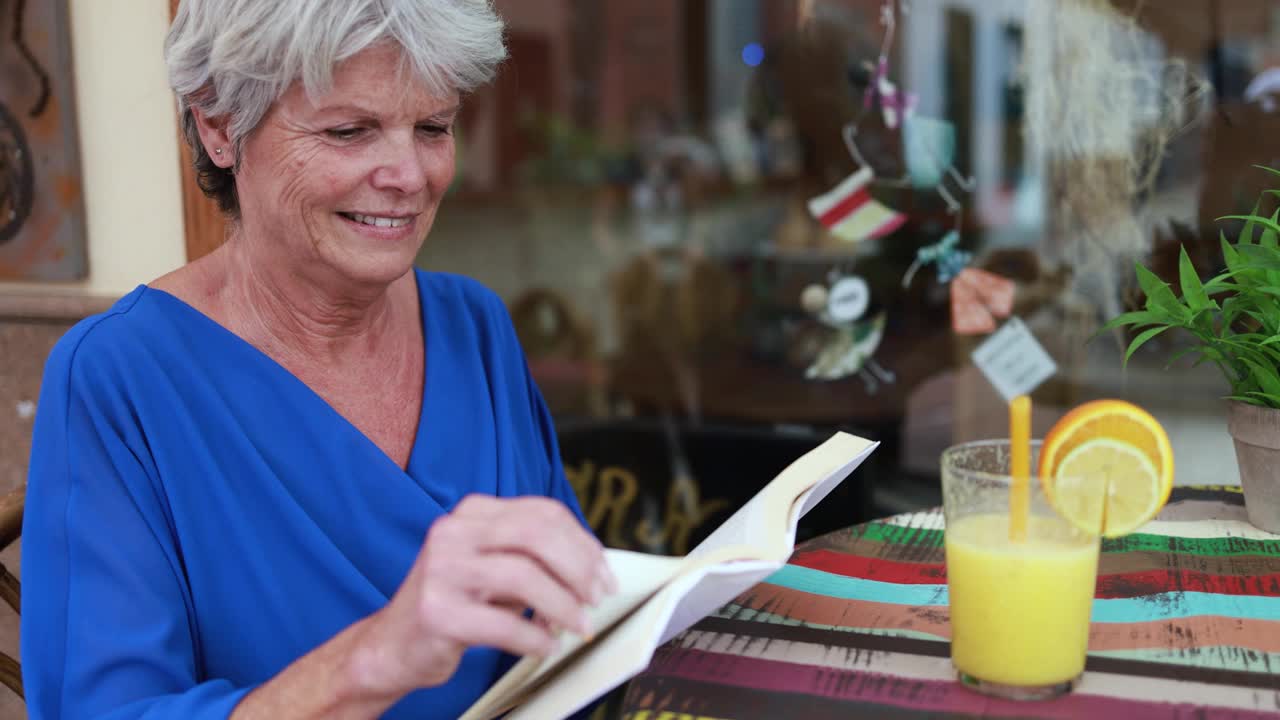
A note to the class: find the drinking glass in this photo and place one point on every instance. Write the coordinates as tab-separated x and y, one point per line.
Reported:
1019	607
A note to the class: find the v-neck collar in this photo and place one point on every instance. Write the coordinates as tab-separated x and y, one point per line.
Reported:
420	432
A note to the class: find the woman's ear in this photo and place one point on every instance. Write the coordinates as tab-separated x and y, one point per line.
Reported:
213	134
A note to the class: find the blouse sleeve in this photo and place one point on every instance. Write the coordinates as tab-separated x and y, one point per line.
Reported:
107	629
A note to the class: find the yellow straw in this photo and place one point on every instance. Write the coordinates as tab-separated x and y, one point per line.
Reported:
1019	466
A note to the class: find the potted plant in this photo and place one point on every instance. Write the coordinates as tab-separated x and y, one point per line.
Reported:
1233	321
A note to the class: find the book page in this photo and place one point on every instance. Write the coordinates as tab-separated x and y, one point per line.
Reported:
625	651
639	577
720	584
809	499
662	596
798	488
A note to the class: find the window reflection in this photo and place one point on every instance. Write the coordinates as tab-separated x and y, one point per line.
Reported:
667	192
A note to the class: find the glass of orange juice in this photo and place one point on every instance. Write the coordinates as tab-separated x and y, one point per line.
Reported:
1019	607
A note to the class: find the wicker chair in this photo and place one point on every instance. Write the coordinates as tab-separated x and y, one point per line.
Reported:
10	530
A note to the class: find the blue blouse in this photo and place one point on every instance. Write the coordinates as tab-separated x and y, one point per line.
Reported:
198	518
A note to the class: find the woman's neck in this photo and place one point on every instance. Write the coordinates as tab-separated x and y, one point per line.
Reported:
313	315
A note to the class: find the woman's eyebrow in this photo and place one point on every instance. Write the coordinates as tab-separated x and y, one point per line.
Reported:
446	114
346	109
362	112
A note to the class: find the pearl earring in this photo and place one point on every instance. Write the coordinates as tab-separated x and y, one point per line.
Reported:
218	151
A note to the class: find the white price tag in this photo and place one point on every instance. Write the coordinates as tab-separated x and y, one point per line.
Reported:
1013	360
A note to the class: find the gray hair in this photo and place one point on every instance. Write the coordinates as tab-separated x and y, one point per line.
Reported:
235	58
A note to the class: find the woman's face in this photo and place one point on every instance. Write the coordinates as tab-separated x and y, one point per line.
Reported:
348	183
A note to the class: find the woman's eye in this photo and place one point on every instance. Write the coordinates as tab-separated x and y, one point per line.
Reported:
344	133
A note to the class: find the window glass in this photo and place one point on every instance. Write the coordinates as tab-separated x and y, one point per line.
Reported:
726	228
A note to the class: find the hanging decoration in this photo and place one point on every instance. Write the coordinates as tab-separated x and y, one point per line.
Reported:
33	63
978	298
852	338
849	352
928	150
894	105
42	234
17	178
851	214
950	259
849	211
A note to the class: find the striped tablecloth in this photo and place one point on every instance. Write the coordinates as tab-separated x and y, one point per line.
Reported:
1186	624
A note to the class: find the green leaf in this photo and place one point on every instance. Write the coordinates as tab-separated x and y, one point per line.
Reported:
1269	235
1246	399
1136	318
1251	347
1183	353
1229	253
1269	309
1259	317
1247	340
1192	290
1159	296
1199	350
1270	352
1267	398
1221	285
1140	341
1251	221
1213	354
1257	257
1246	233
1266	377
1273	171
1232	308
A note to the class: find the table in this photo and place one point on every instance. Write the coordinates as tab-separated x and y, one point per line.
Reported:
1186	624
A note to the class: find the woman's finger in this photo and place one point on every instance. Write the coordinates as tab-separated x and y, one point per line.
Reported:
491	626
506	577
545	530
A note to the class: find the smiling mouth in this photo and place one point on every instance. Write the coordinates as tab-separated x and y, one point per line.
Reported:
377	220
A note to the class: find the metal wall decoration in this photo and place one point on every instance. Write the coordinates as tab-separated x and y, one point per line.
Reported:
41	208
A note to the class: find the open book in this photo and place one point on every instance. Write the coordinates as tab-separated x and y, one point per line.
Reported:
660	596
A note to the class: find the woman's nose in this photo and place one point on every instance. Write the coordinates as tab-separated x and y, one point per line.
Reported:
402	166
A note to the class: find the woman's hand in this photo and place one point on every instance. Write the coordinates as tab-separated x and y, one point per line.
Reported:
481	566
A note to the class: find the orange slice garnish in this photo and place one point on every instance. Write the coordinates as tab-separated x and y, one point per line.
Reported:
1114	445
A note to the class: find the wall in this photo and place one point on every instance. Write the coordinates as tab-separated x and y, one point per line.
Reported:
643	62
134	225
133	204
549	18
478	155
132	195
128	146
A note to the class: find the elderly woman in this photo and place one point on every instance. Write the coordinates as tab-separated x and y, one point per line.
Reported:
234	469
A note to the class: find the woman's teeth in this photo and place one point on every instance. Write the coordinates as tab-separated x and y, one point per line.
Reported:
383	222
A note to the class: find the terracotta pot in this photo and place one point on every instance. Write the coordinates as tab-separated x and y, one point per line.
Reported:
1256	431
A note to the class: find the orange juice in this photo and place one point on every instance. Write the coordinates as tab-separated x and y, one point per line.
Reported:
1019	611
